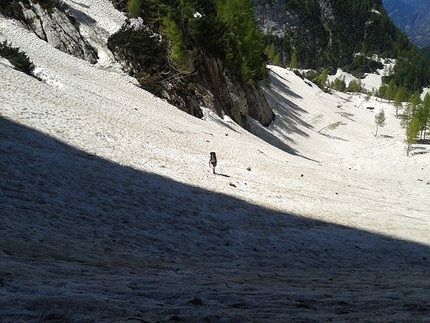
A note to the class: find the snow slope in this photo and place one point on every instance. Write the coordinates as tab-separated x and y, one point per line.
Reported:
110	213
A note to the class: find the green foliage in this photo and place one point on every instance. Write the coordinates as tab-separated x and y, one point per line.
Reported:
17	58
339	85
319	79
225	29
391	91
273	56
322	79
361	65
355	86
426	52
133	7
399	98
294	64
379	120
179	55
243	40
334	125
416	119
382	90
143	52
360	29
415	99
412	70
412	131
423	115
278	60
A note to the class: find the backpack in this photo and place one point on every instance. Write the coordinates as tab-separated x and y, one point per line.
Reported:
213	157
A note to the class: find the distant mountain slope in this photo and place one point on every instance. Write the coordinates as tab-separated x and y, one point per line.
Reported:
329	33
412	17
347	34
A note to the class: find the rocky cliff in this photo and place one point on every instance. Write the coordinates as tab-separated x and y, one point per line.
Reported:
211	86
56	27
273	18
216	88
230	96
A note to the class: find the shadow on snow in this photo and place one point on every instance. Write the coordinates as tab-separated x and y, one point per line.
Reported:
83	239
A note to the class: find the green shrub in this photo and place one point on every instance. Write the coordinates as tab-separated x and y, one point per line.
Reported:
355	86
17	58
144	54
339	85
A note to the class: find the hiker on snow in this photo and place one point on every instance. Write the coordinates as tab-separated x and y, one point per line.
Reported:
212	161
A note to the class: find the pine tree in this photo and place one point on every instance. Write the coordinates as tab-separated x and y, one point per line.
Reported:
243	38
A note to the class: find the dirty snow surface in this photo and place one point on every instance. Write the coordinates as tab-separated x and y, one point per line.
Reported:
110	213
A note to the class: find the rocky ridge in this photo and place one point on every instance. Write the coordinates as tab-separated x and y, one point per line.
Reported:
57	28
212	87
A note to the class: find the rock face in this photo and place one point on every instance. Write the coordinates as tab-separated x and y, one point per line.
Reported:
57	29
217	89
213	86
231	97
272	17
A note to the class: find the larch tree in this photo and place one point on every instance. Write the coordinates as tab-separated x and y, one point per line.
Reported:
379	120
399	98
412	131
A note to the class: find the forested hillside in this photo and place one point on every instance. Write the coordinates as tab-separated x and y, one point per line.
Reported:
213	54
317	35
347	34
225	29
196	53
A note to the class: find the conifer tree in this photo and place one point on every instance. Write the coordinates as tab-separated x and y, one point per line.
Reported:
179	55
243	38
294	63
412	131
133	7
399	98
423	114
273	56
339	84
411	120
390	91
322	79
379	120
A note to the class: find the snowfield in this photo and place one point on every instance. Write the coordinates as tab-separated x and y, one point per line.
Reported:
110	213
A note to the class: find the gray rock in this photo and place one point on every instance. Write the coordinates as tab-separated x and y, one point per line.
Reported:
233	98
57	29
